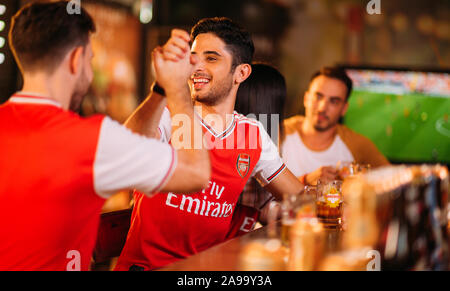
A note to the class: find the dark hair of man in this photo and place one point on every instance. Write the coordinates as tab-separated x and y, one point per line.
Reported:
264	92
41	34
237	40
335	73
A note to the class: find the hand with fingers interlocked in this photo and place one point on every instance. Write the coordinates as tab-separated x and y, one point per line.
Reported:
173	62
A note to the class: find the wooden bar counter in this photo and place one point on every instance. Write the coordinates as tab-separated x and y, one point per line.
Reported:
226	256
222	257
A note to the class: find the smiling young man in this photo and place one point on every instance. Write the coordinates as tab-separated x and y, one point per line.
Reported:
173	226
316	142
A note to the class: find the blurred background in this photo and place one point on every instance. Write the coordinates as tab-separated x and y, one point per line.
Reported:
389	47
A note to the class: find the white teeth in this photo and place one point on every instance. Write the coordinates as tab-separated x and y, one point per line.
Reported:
201	80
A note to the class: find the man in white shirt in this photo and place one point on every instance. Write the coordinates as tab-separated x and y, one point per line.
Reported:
316	143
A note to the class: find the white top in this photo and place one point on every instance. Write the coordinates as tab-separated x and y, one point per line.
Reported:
126	160
301	160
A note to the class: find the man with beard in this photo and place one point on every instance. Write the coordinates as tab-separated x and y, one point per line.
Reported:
58	168
169	226
316	143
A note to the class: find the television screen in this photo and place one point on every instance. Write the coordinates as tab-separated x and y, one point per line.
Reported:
404	112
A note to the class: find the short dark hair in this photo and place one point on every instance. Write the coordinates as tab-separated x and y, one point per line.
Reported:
238	41
42	33
264	92
335	73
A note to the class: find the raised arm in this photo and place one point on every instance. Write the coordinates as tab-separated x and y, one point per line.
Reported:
145	119
173	66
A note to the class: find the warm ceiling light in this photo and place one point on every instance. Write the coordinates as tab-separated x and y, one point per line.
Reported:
146	13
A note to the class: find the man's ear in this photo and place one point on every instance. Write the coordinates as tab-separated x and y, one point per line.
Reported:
76	60
305	98
344	110
242	72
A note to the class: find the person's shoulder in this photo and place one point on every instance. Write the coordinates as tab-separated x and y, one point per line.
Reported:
70	119
293	124
348	134
66	116
363	149
95	118
240	118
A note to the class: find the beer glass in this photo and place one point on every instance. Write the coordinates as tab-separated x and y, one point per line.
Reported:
345	169
307	202
363	168
329	204
289	207
296	207
272	217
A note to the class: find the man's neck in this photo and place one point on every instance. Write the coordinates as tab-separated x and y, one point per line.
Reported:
217	116
50	86
314	139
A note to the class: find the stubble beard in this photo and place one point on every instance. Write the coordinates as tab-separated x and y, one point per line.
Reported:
81	89
323	129
326	127
216	94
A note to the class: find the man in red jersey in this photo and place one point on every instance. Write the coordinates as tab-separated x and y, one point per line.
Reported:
56	167
169	226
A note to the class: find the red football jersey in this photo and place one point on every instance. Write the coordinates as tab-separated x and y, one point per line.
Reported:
168	227
56	169
34	212
244	221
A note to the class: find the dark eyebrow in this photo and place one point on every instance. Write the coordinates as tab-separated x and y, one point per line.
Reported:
336	97
318	93
212	53
208	53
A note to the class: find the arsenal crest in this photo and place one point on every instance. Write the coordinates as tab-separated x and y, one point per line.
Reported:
243	164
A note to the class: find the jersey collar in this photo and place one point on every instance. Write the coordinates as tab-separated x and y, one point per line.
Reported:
33	98
221	135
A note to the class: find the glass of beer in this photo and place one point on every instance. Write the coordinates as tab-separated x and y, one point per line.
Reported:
329	204
345	169
289	208
308	202
363	168
296	207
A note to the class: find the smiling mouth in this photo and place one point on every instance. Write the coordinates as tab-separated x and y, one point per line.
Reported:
200	81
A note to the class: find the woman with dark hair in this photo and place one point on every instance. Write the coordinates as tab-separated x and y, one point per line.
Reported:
263	93
262	96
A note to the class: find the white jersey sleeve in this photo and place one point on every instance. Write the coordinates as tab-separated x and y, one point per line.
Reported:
165	126
125	160
270	164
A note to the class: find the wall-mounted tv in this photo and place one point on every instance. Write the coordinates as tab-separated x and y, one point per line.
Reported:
405	112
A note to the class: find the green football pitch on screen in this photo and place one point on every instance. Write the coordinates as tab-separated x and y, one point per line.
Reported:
409	127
